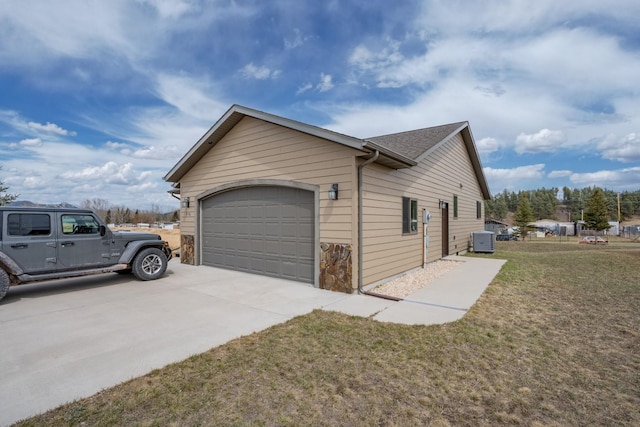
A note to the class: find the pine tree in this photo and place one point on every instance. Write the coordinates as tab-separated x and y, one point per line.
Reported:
4	197
524	215
596	216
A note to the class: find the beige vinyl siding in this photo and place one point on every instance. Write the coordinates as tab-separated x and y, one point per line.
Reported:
386	251
255	149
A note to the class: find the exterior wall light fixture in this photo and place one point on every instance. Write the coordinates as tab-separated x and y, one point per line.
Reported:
333	192
185	202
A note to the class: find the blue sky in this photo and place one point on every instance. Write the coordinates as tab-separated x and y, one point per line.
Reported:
99	99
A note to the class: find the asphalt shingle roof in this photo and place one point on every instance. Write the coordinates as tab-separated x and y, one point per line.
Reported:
413	144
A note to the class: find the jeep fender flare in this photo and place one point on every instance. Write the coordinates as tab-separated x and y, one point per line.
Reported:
9	265
136	246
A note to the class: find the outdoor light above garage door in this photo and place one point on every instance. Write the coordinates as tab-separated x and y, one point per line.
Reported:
333	192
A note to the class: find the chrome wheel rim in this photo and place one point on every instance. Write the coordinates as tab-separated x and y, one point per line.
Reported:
151	264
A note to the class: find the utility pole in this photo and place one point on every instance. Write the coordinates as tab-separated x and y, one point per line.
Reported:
618	209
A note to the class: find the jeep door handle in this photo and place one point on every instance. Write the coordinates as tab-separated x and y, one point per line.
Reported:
19	245
64	244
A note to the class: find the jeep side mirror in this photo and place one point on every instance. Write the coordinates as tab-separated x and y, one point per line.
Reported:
103	230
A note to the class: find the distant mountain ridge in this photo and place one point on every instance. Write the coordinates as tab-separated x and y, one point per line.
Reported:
29	204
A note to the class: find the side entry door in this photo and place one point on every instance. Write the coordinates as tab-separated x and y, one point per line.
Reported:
445	229
80	244
29	240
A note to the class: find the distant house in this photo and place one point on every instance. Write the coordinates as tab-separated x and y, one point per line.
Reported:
582	230
268	195
498	227
545	226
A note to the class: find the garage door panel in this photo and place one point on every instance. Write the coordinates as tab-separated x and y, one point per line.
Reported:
257	228
265	229
272	212
242	245
290	269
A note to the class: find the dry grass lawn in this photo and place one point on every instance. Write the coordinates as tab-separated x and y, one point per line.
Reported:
171	236
554	341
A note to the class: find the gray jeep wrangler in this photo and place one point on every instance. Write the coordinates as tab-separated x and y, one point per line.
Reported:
39	244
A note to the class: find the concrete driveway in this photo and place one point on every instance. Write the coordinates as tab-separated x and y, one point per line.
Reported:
64	340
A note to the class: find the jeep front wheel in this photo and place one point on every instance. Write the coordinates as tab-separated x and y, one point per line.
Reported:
149	264
4	283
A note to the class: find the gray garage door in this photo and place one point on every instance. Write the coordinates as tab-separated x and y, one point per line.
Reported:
266	230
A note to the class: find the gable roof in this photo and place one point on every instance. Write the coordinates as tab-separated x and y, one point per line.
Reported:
418	144
396	151
415	142
237	112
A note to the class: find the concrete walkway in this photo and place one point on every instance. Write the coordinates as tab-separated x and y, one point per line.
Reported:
448	298
65	340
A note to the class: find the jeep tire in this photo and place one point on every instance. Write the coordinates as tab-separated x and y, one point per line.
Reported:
149	264
4	283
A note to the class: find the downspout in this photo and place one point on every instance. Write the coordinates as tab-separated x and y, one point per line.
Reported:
360	290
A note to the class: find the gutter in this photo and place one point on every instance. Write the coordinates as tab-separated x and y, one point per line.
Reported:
360	290
388	153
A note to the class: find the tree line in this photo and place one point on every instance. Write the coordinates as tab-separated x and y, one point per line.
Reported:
595	214
112	214
571	203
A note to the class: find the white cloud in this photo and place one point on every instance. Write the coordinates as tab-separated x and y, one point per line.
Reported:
575	61
626	149
304	88
170	8
611	179
115	145
559	174
50	128
518	18
189	95
40	30
34	182
251	71
28	142
544	141
487	145
326	82
145	186
297	40
518	177
515	174
110	172
48	131
364	59
151	152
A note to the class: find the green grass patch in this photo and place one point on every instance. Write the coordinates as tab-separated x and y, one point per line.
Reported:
555	340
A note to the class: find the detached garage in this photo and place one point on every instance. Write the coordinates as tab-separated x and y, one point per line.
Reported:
272	196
